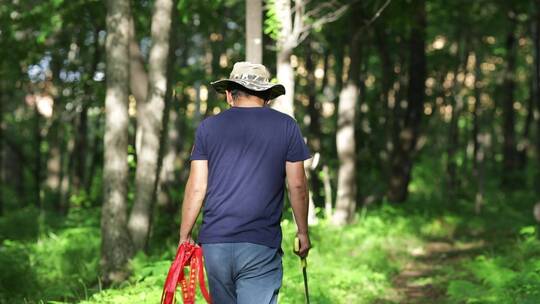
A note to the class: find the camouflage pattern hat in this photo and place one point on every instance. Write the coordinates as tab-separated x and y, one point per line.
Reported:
252	76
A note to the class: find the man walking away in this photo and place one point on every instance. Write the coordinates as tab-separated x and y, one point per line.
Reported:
239	163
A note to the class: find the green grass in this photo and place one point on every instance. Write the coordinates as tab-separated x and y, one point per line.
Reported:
50	259
354	264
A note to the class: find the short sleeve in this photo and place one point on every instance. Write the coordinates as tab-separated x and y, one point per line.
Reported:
298	149
198	152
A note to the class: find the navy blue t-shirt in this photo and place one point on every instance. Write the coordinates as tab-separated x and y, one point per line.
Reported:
246	149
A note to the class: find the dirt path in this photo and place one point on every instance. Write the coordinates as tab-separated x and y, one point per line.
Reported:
423	279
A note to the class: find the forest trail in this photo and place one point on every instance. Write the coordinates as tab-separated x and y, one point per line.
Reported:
424	278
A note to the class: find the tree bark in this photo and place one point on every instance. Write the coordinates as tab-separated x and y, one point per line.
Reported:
151	119
37	162
479	139
314	138
81	140
138	79
387	75
2	185
116	247
509	119
536	38
456	106
285	45
345	137
254	52
171	137
402	158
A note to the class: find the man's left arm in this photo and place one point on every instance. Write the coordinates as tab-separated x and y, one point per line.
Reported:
193	197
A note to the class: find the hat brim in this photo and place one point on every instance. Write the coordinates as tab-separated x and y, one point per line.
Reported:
274	89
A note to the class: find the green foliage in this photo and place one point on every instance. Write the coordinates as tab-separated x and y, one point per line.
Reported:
272	25
20	225
61	265
354	264
511	275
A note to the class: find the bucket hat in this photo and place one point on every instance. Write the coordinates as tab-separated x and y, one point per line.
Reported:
251	76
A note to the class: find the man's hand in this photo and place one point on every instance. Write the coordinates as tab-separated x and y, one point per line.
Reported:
186	238
305	245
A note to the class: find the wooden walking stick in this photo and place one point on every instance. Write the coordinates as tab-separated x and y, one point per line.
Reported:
303	263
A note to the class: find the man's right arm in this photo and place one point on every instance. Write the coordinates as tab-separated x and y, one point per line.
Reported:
299	196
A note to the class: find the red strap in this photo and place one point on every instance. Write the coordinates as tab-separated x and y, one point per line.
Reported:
186	255
202	283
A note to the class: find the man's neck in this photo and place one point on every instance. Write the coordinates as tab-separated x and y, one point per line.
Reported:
249	102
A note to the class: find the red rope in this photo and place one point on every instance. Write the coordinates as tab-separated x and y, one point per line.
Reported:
187	255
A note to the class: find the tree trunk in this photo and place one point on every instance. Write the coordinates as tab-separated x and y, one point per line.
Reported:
254	31
387	75
509	120
138	79
54	167
171	142
479	139
345	138
327	192
116	247
151	118
285	44
81	144
402	158
456	106
37	161
536	39
314	121
81	140
2	185
167	179
285	76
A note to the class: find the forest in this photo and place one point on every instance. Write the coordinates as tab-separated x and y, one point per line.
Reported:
422	116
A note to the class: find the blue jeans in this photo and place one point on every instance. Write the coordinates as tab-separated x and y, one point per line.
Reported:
243	273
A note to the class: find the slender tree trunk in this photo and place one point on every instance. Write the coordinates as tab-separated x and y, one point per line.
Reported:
479	139
402	159
2	185
167	207
167	179
314	121
456	106
536	39
216	49
67	161
81	144
285	45
55	139
54	166
327	193
345	137
116	247
254	31
285	76
151	118
96	152
509	119
524	142
81	140
171	141
138	79
37	162
386	82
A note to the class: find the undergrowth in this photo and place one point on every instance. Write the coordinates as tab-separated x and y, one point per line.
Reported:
354	264
46	258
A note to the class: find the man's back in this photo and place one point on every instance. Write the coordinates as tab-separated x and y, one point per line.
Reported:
246	149
240	161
